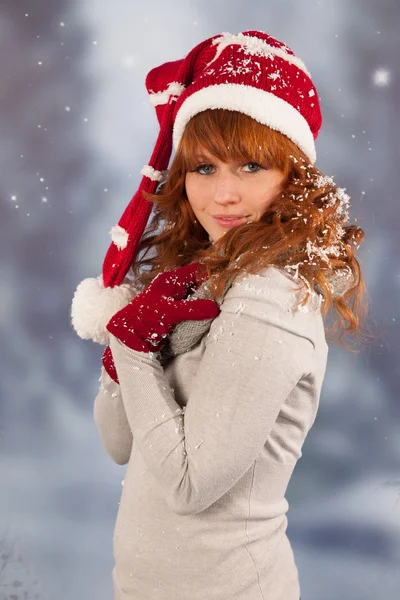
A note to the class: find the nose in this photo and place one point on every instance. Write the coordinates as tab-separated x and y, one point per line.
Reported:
226	188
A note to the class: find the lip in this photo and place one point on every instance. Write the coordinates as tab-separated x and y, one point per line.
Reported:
231	222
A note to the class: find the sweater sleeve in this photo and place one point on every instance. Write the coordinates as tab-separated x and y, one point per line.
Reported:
110	419
256	352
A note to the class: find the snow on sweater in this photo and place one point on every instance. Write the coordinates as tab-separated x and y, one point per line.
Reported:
211	441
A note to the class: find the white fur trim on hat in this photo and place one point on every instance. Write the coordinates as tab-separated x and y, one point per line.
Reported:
256	47
153	174
93	305
119	236
264	107
173	91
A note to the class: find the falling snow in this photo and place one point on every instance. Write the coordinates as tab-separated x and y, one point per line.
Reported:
361	396
381	77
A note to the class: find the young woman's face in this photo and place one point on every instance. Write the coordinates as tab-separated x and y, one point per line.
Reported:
231	189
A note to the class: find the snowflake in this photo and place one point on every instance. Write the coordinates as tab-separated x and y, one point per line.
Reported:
315	250
323	180
381	77
274	76
255	47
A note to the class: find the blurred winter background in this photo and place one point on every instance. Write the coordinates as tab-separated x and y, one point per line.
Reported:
76	128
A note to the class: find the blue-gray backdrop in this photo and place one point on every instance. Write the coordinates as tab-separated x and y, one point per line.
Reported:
76	128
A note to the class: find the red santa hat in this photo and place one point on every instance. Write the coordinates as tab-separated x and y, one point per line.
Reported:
252	73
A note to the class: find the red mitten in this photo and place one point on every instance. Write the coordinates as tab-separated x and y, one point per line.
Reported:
108	363
146	321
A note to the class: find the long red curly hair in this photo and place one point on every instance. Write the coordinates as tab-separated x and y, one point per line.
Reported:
303	230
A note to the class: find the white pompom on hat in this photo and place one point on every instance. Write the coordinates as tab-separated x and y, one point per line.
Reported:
93	305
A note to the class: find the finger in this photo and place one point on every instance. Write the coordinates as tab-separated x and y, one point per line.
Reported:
197	310
176	282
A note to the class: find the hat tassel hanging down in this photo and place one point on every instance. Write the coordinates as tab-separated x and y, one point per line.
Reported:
97	299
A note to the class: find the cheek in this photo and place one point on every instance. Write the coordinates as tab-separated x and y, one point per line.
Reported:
194	193
190	188
272	190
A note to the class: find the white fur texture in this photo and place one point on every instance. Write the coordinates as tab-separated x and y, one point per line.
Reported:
173	91
93	305
119	236
262	106
153	174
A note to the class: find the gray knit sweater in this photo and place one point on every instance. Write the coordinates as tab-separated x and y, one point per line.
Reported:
211	438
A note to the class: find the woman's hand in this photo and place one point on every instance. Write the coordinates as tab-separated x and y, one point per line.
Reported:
146	321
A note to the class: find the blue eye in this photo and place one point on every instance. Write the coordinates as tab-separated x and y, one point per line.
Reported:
198	169
254	164
206	169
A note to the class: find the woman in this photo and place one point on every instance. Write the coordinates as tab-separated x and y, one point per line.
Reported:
216	351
